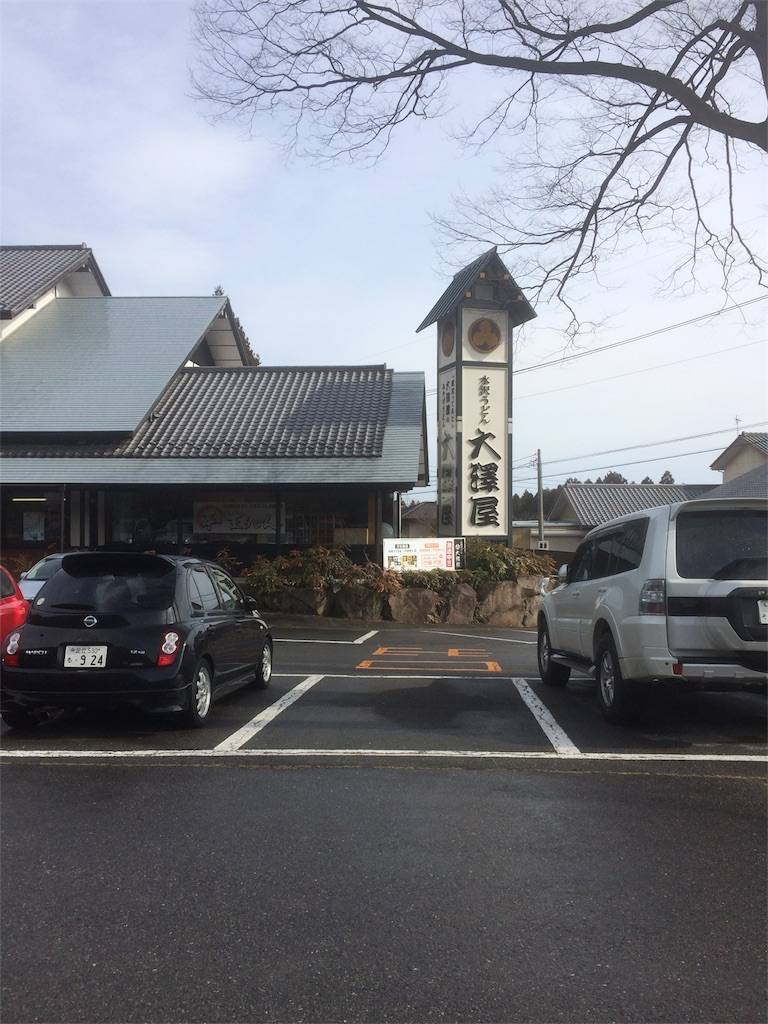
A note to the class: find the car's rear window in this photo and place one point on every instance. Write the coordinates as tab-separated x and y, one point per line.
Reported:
93	583
728	544
43	570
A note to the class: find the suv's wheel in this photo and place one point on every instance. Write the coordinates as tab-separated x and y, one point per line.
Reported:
200	698
614	693
552	673
264	668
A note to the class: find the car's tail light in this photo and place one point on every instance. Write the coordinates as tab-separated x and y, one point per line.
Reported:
11	650
653	598
169	648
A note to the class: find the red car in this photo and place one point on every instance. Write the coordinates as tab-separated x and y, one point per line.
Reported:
13	606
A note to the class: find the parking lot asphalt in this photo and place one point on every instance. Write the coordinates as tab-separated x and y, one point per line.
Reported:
407	825
417	689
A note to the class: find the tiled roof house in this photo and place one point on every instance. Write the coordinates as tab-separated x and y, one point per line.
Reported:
120	417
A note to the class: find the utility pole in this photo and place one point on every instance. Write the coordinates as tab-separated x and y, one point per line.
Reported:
541	495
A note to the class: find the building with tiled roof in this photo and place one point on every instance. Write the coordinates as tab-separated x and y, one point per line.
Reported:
419	519
753	484
589	505
746	452
143	422
33	275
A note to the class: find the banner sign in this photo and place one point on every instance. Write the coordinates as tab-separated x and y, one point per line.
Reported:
446	452
484	451
422	553
234	517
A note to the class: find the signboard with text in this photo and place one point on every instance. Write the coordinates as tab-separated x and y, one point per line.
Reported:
234	517
484	451
446	452
414	554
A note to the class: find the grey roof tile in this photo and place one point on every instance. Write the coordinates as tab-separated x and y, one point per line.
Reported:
759	441
97	364
463	281
311	430
269	412
421	512
27	271
753	484
594	504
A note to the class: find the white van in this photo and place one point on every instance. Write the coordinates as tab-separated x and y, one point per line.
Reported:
676	594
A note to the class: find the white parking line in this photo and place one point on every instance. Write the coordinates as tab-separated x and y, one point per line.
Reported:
556	736
239	738
360	640
474	636
501	755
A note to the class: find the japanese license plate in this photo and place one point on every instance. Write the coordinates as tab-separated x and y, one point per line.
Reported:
85	657
762	612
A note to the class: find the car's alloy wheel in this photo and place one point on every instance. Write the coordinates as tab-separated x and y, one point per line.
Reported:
264	668
618	700
200	696
606	679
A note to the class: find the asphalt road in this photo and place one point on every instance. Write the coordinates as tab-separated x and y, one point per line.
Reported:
405	828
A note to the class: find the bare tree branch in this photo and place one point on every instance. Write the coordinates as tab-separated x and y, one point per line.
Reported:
642	97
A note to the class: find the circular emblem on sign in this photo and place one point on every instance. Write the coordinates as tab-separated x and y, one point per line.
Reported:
484	335
90	620
447	339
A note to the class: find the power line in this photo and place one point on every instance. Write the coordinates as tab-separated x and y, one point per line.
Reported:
617	465
641	337
628	341
644	369
653	444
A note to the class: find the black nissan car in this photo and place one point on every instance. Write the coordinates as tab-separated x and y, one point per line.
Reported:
157	631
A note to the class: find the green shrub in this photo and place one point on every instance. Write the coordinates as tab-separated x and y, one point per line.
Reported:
438	580
372	576
493	562
331	568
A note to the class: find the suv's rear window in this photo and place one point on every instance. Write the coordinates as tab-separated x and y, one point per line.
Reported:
731	544
93	583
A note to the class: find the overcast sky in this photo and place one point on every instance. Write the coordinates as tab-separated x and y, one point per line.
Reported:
103	143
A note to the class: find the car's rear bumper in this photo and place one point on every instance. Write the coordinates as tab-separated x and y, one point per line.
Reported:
701	674
149	688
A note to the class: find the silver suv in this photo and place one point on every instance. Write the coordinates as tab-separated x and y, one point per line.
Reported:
676	594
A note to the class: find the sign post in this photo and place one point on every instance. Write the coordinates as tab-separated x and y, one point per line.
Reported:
475	319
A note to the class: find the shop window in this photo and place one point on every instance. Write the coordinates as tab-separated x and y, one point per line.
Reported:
32	519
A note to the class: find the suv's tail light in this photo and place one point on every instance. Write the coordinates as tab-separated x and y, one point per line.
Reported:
168	649
11	650
653	598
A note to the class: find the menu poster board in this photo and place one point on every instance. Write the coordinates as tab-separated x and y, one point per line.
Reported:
34	524
234	517
403	554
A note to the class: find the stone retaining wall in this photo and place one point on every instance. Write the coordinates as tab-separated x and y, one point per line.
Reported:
513	603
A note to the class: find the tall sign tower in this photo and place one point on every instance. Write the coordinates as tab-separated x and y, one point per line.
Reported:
475	317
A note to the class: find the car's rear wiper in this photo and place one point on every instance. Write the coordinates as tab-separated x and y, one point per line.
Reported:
76	607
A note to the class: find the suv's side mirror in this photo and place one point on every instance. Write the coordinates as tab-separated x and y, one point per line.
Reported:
562	573
23	575
251	604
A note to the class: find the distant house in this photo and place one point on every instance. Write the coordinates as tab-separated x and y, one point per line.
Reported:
753	484
143	422
419	520
745	453
580	507
589	505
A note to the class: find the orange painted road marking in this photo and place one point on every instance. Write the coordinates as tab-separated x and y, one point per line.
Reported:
418	659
